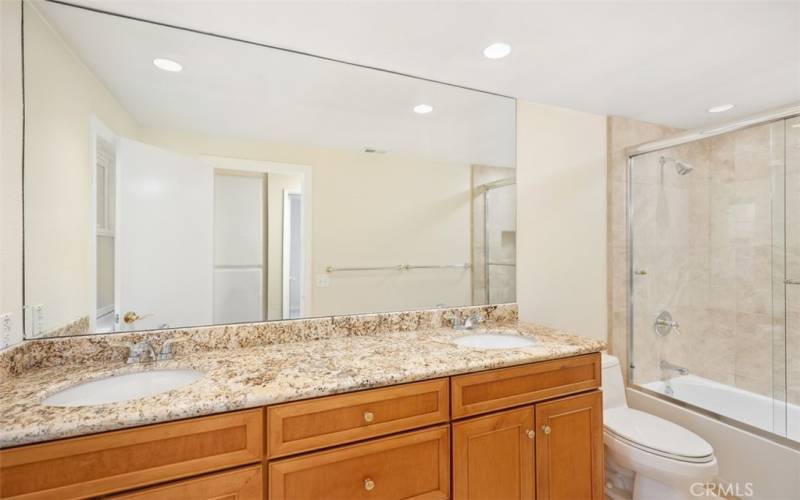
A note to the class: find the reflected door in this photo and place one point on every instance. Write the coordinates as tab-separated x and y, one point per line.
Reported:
163	238
239	273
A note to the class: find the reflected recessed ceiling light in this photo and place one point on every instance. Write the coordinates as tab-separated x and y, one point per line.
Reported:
423	108
720	108
497	50
167	65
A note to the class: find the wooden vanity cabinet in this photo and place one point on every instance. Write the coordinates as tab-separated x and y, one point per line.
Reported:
524	432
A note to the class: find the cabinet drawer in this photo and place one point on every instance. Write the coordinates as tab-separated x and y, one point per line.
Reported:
496	389
333	420
239	484
412	465
120	460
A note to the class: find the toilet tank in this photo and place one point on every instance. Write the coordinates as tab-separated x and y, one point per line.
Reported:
613	386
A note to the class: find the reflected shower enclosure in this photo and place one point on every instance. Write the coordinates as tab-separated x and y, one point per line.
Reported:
714	223
494	235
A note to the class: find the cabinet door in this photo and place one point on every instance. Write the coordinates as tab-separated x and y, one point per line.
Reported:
239	484
493	456
569	448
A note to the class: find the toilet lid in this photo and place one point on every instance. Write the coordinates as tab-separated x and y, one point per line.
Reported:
650	432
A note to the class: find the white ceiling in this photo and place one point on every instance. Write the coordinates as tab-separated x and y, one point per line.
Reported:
664	62
245	91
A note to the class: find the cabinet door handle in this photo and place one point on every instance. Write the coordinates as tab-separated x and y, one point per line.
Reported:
546	429
530	433
369	416
369	484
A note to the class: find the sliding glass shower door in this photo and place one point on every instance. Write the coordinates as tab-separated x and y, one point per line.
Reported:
715	252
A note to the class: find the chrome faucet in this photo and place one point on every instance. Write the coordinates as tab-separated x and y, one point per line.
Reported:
470	323
143	351
666	365
138	352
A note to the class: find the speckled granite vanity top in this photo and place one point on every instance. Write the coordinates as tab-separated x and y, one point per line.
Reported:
262	375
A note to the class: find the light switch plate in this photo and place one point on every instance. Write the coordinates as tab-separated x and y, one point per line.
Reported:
323	281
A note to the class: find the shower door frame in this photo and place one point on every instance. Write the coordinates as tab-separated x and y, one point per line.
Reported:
632	152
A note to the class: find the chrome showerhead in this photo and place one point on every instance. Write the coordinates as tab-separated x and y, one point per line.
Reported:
681	167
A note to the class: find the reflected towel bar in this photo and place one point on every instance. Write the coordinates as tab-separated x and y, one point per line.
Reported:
401	267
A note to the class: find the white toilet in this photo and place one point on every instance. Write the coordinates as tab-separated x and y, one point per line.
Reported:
647	457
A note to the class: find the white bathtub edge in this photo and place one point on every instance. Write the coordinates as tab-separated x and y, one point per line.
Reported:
742	455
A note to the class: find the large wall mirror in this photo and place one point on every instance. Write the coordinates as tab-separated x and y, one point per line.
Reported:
175	179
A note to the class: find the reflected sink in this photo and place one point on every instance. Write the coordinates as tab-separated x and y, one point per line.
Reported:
494	341
123	388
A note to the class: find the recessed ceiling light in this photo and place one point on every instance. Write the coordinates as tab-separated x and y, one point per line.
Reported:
167	64
497	50
423	109
720	108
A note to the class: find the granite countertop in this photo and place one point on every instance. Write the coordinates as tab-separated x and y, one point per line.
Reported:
256	376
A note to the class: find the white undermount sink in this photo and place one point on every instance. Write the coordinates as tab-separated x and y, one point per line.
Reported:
491	340
123	387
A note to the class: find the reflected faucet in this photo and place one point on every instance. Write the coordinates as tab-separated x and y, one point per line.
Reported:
469	324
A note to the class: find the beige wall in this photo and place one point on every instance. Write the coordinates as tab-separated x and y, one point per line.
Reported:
369	210
61	95
10	171
561	218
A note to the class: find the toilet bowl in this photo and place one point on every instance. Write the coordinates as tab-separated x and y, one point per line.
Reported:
648	457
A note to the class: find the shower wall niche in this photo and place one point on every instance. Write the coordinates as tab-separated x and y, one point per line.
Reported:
714	228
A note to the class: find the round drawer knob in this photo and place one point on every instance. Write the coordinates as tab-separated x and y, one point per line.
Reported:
369	416
369	484
546	429
530	433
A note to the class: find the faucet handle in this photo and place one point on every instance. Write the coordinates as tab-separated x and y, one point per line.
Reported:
137	351
123	345
455	318
166	348
472	320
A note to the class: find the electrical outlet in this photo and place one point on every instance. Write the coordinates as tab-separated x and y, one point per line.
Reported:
323	281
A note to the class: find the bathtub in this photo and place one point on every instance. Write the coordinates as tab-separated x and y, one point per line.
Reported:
758	465
737	404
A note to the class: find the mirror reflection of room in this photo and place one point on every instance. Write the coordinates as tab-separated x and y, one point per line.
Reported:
191	180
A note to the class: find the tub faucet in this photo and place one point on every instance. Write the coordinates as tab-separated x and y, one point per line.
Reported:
666	365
